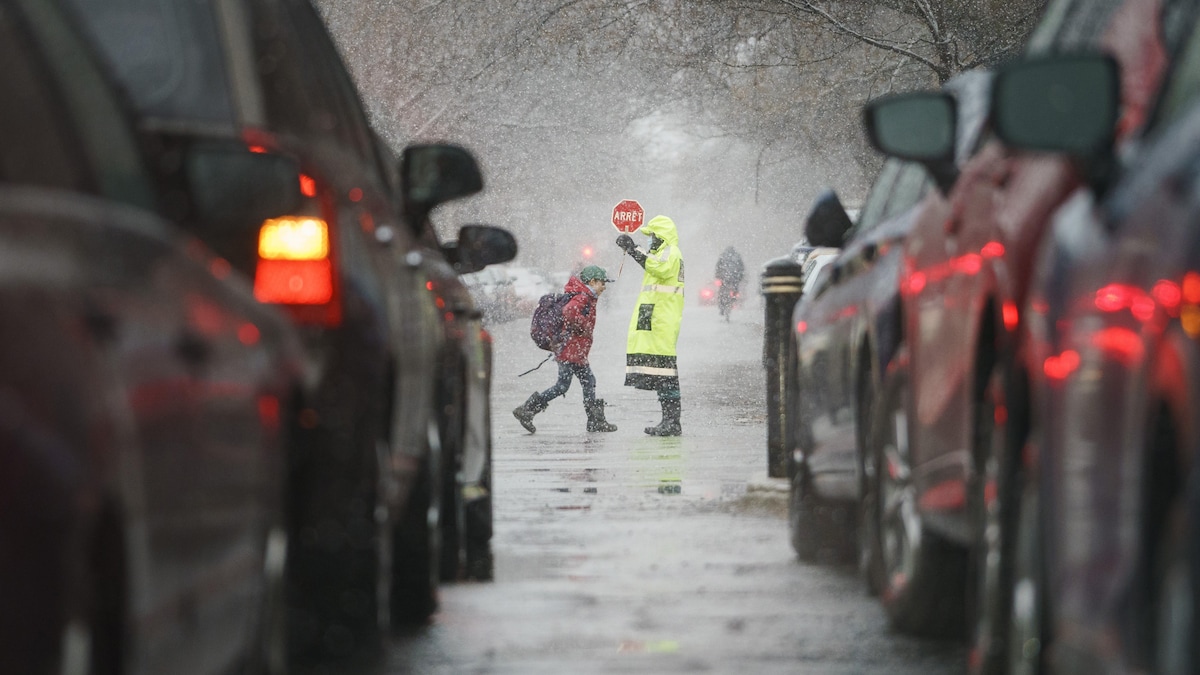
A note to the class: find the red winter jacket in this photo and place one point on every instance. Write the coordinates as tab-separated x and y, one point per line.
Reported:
579	318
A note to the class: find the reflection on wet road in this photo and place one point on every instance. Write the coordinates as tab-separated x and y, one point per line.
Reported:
624	553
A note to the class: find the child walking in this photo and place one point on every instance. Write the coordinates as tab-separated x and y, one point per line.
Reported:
579	320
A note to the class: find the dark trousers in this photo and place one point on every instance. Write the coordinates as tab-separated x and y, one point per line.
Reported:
566	371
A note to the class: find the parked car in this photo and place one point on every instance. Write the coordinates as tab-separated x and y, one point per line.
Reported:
464	397
1102	510
848	332
948	419
528	286
783	282
492	290
146	396
350	267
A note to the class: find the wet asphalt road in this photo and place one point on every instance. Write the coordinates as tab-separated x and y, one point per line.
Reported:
624	553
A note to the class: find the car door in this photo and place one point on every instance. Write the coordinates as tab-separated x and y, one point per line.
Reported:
833	336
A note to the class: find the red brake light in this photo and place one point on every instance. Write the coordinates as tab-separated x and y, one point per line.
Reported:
914	284
308	186
1010	314
1120	343
1060	366
992	249
295	268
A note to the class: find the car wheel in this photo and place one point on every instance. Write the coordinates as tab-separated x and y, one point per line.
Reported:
478	521
270	656
479	563
339	551
1175	629
1026	631
803	524
819	531
994	517
95	642
453	511
870	562
923	583
870	553
417	545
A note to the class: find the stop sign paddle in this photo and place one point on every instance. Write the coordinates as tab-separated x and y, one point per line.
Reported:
627	216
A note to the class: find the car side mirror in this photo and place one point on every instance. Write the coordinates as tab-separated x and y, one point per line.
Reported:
1064	103
918	126
233	187
435	174
479	246
827	223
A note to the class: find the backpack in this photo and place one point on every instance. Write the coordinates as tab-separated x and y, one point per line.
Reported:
546	328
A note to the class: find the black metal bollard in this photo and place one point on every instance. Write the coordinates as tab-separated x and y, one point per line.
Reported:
781	286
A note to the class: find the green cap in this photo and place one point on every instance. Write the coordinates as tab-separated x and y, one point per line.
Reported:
593	272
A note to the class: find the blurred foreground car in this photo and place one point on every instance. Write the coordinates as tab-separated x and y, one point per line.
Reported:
1104	568
145	395
348	266
947	422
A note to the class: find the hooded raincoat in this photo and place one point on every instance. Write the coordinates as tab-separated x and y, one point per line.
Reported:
579	320
654	328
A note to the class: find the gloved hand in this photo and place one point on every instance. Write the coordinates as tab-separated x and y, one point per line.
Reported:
626	243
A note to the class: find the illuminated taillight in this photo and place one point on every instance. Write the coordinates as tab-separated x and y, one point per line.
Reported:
293	238
1060	366
295	268
294	282
1010	315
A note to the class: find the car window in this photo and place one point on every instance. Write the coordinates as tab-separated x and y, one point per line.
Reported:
1184	84
306	90
167	54
873	205
355	129
911	185
105	130
1071	24
903	186
36	142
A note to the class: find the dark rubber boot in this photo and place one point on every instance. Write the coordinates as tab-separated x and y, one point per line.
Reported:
595	415
670	424
525	412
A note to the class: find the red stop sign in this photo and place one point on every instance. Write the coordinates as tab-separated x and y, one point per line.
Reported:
628	215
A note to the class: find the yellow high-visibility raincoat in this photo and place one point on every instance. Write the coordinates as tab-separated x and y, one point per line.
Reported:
654	328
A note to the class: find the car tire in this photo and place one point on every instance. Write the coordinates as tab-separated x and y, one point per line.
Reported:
270	655
1175	643
479	520
870	555
479	562
417	545
452	517
993	506
339	551
1027	635
924	581
870	565
819	531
